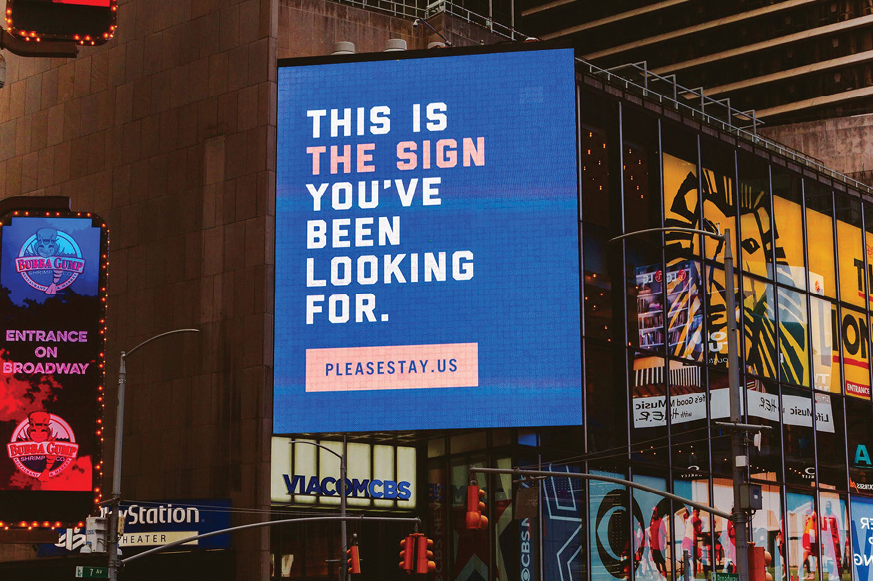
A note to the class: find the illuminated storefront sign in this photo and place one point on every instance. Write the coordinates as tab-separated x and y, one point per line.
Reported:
430	244
378	475
53	274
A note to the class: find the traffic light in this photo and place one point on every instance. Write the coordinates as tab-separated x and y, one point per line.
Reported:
407	552
353	556
475	507
423	555
416	554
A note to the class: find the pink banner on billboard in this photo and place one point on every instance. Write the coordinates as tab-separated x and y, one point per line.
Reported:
392	367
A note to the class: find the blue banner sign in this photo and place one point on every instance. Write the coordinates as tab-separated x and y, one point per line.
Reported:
150	524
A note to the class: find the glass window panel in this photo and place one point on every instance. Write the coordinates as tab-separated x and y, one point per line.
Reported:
793	337
329	467
681	190
716	311
305	457
437	489
598	149
507	553
720	443
646	288
788	216
859	439
759	330
359	466
834	530
850	247
609	523
692	526
471	563
767	529
652	559
641	171
603	306
684	310
688	417
607	404
406	471
724	552
855	335
719	196
650	408
764	405
756	247
383	469
831	441
819	219
825	345
802	535
436	447
797	437
868	245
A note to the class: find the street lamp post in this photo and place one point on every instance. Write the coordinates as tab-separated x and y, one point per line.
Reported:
342	492
116	466
739	449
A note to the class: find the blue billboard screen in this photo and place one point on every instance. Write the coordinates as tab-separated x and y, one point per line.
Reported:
427	244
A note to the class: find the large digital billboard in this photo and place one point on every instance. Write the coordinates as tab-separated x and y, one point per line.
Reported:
427	244
52	325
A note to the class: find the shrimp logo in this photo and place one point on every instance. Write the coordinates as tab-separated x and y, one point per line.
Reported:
43	446
50	261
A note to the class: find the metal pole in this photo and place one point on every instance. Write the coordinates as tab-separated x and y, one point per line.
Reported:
268	523
115	501
342	491
116	471
738	438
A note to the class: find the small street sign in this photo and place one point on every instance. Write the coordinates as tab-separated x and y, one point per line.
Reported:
87	572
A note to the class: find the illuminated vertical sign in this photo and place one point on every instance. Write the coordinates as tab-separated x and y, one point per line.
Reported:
52	323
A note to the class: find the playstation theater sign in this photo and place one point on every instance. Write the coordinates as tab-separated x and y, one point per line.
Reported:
53	283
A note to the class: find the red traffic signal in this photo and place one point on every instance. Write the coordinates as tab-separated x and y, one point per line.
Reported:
407	553
353	557
423	555
475	507
416	554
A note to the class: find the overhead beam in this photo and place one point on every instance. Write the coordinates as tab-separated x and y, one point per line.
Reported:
860	57
774	42
816	102
688	30
606	20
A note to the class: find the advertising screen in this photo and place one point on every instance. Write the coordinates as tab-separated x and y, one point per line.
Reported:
427	244
52	290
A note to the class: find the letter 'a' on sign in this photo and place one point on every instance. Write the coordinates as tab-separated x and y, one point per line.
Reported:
53	292
428	242
86	22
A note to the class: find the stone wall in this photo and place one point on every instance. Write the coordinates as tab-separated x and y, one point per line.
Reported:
168	132
843	143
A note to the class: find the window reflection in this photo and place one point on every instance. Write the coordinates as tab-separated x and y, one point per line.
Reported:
759	318
793	337
850	246
788	216
754	199
819	219
802	535
825	345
